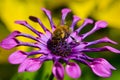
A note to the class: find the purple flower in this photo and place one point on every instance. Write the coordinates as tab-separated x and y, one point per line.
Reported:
60	45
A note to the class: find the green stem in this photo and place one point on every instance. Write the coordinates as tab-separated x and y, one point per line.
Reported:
51	76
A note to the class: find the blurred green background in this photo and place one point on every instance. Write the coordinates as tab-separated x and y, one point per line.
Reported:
11	10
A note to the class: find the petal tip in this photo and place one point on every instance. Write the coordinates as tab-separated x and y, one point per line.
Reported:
66	10
101	24
17	57
8	43
101	67
77	18
58	71
111	41
21	22
73	70
46	10
33	18
90	21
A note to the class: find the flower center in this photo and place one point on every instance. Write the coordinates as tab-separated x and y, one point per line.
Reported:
57	44
59	47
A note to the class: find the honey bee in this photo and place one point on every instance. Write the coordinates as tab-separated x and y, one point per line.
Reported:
61	32
57	42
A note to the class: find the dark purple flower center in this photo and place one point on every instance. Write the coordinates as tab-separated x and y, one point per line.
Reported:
59	47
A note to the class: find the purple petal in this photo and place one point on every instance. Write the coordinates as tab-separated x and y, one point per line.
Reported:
24	23
37	52
69	39
48	34
105	48
10	41
28	36
87	21
101	67
64	12
42	41
58	71
74	22
105	39
17	57
105	62
73	70
112	49
42	46
23	65
76	37
44	37
34	65
35	19
100	70
14	34
30	65
101	24
48	14
28	44
98	25
79	47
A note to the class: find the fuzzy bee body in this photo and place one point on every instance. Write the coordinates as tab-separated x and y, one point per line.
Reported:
61	33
